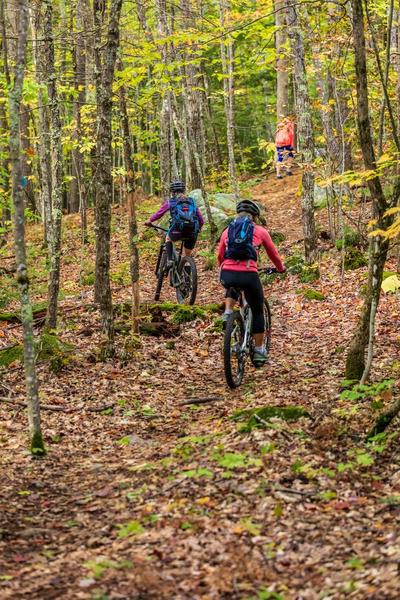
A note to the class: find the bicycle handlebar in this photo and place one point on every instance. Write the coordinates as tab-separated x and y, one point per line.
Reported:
158	227
268	270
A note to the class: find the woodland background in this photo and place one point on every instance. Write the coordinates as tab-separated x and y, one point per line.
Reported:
148	484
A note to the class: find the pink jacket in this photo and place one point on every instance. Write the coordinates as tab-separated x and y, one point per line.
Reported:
261	237
285	135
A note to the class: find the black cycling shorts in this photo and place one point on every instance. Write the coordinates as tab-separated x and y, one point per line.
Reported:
189	239
250	283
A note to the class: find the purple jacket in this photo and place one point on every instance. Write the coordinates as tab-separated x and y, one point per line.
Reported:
165	208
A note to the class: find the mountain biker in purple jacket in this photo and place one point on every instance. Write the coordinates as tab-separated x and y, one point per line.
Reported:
189	238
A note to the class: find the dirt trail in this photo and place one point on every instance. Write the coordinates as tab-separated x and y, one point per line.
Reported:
161	500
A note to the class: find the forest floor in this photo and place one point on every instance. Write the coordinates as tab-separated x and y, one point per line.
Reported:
155	497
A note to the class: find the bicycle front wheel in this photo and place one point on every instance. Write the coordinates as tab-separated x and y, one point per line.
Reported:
186	291
234	357
160	272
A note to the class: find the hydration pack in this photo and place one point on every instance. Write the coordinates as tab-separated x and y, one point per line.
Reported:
183	214
240	240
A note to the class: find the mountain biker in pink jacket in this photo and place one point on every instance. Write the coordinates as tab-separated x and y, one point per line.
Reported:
284	141
243	275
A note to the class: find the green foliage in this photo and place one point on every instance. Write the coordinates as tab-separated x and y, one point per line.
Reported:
88	278
264	594
98	566
130	529
277	237
350	237
310	294
309	274
210	259
363	392
121	275
235	460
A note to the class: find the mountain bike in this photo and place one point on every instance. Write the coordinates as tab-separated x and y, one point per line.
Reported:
238	338
182	275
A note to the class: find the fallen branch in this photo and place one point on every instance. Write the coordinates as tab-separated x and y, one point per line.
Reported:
291	491
201	400
58	408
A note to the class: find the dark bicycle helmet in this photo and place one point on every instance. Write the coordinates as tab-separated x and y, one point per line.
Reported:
248	206
177	186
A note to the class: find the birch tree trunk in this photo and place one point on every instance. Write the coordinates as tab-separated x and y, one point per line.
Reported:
43	123
79	65
36	439
105	66
305	134
4	126
54	236
227	61
167	154
282	63
131	202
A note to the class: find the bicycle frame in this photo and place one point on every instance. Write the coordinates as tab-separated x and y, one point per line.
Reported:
247	315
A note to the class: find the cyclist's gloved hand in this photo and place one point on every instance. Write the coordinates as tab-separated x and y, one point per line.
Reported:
148	223
284	270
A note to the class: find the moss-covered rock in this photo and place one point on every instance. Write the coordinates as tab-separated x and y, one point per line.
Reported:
10	355
48	348
257	417
354	259
185	313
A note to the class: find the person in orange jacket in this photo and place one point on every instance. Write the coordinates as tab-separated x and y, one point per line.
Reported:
284	141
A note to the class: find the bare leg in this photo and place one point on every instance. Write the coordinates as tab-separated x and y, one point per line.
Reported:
187	252
229	304
289	164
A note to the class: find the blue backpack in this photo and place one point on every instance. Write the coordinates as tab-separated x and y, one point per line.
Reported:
240	240
183	215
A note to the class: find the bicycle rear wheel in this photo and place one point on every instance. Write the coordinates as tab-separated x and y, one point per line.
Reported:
234	358
160	272
186	291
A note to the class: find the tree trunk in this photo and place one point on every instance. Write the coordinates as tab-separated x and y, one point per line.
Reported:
78	160
167	155
56	172
4	127
37	446
305	135
105	66
355	360
131	202
227	71
40	60
282	64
